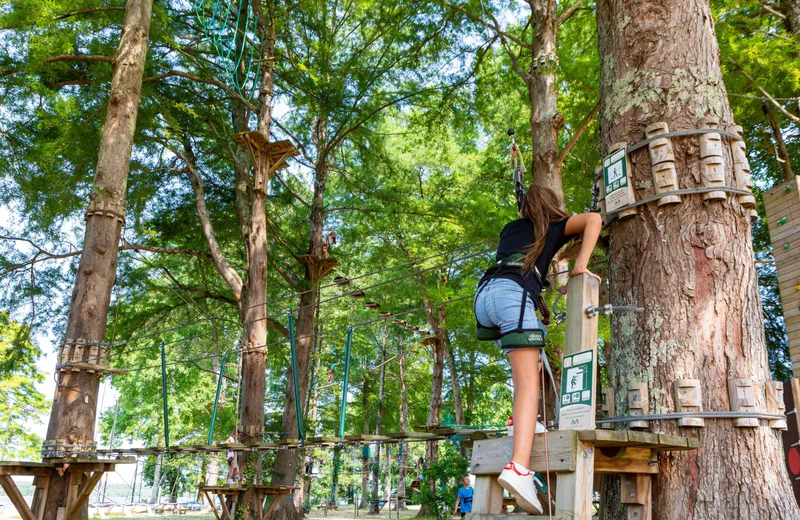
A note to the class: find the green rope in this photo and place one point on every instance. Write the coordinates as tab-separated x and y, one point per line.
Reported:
215	20
295	380
345	384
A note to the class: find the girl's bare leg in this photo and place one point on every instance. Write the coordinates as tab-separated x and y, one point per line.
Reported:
525	375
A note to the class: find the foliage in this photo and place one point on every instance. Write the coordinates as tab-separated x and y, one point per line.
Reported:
446	474
22	405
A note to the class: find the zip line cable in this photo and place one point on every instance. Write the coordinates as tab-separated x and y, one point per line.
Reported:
274	315
296	294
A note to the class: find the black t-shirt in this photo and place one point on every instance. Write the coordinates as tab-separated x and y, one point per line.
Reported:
516	237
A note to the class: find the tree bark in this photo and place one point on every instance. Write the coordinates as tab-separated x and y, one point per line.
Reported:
156	490
451	365
689	265
546	121
72	417
780	145
791	10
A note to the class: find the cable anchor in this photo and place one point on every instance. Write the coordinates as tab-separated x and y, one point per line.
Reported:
608	309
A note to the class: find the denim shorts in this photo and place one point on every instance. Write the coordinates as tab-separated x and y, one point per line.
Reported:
498	303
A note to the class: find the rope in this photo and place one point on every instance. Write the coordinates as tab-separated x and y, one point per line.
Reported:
546	450
687	191
692	415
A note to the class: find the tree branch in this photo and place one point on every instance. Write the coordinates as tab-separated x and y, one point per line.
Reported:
568	13
578	133
88	11
88	57
43	255
175	73
765	93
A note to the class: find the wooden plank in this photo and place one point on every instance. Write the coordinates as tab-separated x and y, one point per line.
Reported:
491	455
485	516
574	492
487	495
779	190
642	439
210	503
630	460
672	442
637	493
603	438
11	489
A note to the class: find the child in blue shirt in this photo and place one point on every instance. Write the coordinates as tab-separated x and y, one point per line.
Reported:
464	499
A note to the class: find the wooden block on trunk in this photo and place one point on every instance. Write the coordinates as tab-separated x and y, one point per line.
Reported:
608	407
688	398
775	404
743	399
638	403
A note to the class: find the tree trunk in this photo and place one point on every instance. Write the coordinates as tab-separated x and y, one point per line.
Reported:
156	490
212	476
365	431
470	413
791	10
451	365
387	476
689	265
286	461
74	410
780	145
546	121
401	477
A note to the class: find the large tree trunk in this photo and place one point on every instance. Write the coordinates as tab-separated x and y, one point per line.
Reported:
401	478
155	491
546	121
689	265
791	10
286	461
74	410
451	365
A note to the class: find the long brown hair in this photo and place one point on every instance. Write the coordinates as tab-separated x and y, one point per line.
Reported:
543	207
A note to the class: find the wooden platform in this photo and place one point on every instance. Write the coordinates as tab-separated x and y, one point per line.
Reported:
83	473
232	493
275	153
318	267
574	458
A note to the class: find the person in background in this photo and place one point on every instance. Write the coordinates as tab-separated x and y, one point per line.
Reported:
464	498
233	465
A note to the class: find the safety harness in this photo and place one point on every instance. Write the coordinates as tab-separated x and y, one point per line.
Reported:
519	337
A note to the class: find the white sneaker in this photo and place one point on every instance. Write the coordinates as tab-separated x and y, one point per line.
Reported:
521	487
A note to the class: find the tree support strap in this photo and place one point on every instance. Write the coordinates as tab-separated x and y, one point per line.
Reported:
295	380
216	399
688	191
164	395
684	415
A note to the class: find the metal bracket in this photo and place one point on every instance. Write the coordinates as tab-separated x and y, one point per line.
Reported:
608	309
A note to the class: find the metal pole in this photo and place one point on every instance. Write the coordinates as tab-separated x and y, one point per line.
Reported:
216	399
343	413
164	395
298	407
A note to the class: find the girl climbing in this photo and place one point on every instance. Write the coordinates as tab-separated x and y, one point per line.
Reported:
506	302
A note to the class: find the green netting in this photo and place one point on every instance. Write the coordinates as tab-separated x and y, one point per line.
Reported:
232	30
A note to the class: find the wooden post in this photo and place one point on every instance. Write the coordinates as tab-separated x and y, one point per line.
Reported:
580	335
637	493
488	495
574	490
